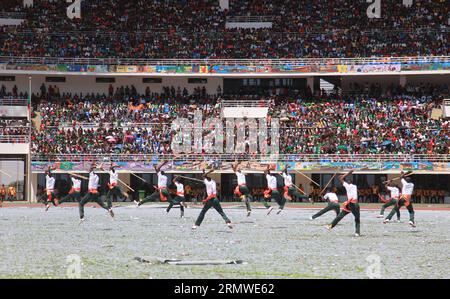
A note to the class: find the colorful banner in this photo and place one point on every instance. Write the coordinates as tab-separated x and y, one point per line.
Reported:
239	69
370	68
322	166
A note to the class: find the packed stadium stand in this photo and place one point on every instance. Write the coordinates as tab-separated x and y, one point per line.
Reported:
125	122
197	29
109	85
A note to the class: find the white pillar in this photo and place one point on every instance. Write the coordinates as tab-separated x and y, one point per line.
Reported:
310	83
32	192
224	4
27	3
402	81
407	3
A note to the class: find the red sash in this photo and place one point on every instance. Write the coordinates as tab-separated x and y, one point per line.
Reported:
161	195
237	192
268	191
350	200
209	197
406	198
73	190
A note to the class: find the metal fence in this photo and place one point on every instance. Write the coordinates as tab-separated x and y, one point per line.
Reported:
223	62
13	102
12	15
239	157
250	19
14	139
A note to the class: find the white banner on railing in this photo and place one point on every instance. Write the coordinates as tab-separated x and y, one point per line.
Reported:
447	108
241	112
14	111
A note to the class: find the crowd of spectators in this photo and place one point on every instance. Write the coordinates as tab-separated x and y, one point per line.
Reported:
12	94
395	120
14	130
196	29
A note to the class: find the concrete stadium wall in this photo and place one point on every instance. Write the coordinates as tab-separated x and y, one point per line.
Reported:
248	25
10	22
387	80
14	148
77	84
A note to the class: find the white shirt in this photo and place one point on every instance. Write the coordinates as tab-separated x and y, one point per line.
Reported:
49	183
407	188
240	178
180	189
210	187
287	179
352	191
331	196
271	181
394	191
93	180
113	177
76	183
162	180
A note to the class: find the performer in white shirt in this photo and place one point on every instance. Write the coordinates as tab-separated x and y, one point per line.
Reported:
271	192
211	201
51	194
161	191
241	189
350	206
179	199
290	192
333	204
75	191
395	195
93	194
405	199
114	192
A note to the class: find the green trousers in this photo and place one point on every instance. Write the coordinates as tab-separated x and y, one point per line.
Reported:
155	196
354	209
178	200
94	197
113	193
294	194
247	196
212	203
391	202
45	201
280	200
76	196
396	209
331	206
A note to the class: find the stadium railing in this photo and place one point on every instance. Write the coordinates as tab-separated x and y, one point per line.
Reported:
12	15
245	103
249	19
241	157
224	62
14	139
13	102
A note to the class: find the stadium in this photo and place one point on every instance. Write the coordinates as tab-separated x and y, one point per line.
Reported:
224	139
